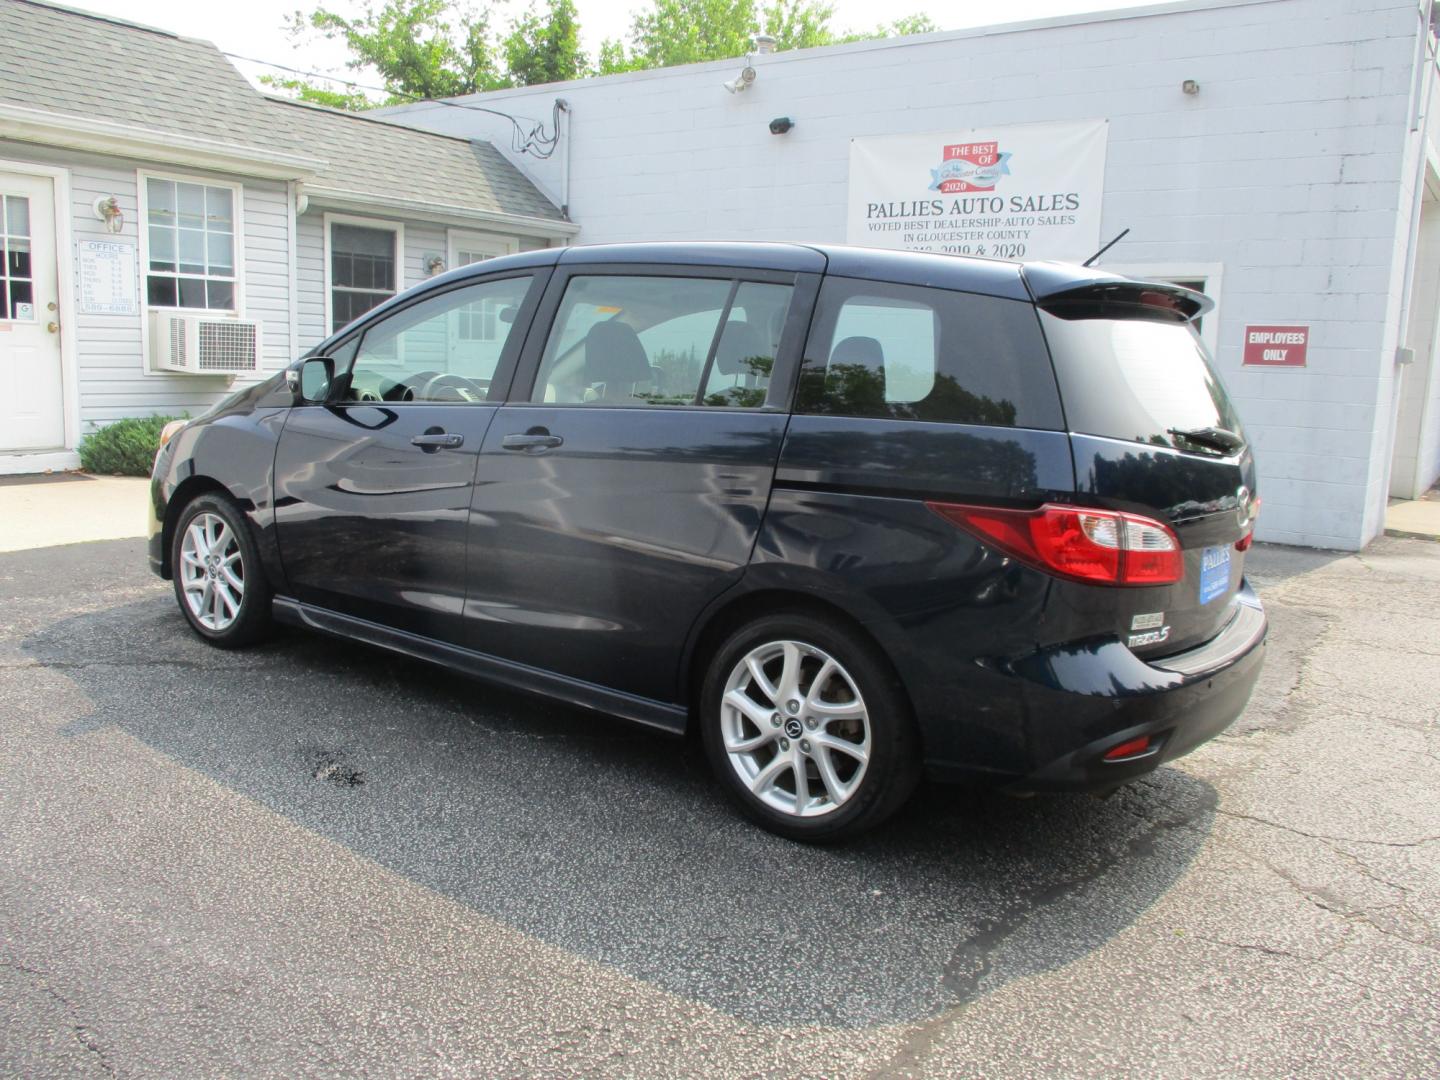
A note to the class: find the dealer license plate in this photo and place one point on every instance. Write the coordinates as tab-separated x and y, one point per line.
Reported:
1214	573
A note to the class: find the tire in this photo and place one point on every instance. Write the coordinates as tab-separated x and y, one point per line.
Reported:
225	596
759	752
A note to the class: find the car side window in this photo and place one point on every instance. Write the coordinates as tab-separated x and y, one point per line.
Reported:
444	349
662	341
912	353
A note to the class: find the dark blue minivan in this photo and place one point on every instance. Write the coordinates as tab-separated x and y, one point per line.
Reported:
849	516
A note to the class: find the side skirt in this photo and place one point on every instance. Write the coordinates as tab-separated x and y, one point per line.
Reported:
668	718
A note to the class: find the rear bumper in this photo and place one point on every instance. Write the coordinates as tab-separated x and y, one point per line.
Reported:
1085	700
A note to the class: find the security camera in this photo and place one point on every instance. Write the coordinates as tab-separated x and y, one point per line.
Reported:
780	125
741	81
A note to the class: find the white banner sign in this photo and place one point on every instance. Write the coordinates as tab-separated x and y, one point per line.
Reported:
1028	191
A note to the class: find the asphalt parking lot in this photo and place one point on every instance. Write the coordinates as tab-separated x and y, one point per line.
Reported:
313	859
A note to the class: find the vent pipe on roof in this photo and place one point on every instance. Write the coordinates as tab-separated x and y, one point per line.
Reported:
764	44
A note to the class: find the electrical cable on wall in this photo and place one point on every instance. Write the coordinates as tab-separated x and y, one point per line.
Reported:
535	141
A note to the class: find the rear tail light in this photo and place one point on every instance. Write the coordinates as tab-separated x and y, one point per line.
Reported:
1098	546
1132	749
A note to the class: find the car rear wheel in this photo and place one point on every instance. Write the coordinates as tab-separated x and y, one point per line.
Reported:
219	583
807	728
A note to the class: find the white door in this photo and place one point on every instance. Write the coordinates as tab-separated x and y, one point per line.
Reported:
32	408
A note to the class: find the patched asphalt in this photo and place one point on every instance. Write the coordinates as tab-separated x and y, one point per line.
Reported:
315	858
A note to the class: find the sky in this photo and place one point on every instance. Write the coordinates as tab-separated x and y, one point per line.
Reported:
256	27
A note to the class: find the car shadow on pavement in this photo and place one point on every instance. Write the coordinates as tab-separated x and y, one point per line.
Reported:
614	842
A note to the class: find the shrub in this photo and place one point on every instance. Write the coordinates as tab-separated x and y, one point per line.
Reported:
125	447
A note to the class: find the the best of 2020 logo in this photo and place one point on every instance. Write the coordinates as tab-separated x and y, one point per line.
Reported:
970	167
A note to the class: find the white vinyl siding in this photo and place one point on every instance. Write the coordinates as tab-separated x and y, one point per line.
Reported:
114	381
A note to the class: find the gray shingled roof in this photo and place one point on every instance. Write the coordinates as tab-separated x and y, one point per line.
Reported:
376	157
91	66
96	67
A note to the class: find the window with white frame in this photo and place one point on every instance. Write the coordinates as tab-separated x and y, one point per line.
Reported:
191	244
364	269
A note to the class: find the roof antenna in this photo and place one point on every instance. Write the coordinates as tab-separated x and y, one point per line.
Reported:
1106	248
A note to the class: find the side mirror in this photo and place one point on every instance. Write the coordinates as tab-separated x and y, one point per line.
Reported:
316	376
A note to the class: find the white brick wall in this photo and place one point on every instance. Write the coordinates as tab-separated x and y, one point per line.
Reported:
1287	169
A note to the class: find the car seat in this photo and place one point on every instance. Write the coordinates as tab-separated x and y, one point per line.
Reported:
615	362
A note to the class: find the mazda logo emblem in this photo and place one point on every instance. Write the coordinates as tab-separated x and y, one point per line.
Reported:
793	728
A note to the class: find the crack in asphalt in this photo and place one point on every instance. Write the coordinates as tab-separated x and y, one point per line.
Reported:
1310	961
1328	839
79	1030
972	962
1344	910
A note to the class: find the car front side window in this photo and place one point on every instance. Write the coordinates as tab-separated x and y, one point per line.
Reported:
442	349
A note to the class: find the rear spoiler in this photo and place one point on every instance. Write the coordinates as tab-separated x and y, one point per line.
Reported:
1080	292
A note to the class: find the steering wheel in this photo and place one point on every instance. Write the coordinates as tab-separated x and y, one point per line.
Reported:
464	389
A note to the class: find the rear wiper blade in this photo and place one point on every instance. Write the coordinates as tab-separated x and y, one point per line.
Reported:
1215	438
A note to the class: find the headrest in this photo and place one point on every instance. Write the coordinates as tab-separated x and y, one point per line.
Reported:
613	354
739	341
865	351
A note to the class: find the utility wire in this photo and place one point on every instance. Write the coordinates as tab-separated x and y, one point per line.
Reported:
535	141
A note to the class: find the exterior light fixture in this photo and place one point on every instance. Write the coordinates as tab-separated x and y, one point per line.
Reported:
434	265
743	81
1190	86
107	209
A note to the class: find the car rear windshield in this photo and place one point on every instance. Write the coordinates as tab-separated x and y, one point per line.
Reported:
905	352
1136	378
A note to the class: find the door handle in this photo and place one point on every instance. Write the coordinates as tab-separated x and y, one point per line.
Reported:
531	440
435	440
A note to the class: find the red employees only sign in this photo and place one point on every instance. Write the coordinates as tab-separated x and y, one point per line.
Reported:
1276	346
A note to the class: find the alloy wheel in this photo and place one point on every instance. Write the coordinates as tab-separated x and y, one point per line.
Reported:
212	571
795	728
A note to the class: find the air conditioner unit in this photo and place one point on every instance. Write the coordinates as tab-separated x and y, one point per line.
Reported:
203	344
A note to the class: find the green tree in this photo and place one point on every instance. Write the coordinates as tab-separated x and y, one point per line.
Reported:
439	49
545	50
691	31
906	24
421	48
446	48
318	93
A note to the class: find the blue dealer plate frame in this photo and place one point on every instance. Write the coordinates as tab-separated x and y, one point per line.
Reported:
1214	572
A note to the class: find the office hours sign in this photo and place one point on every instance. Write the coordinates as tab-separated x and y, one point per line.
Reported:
1026	191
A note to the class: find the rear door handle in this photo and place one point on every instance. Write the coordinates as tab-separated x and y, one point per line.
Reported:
435	440
531	441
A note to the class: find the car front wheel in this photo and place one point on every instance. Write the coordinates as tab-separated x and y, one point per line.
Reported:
219	583
808	729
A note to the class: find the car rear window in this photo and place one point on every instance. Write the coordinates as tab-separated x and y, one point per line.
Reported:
1136	378
911	353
